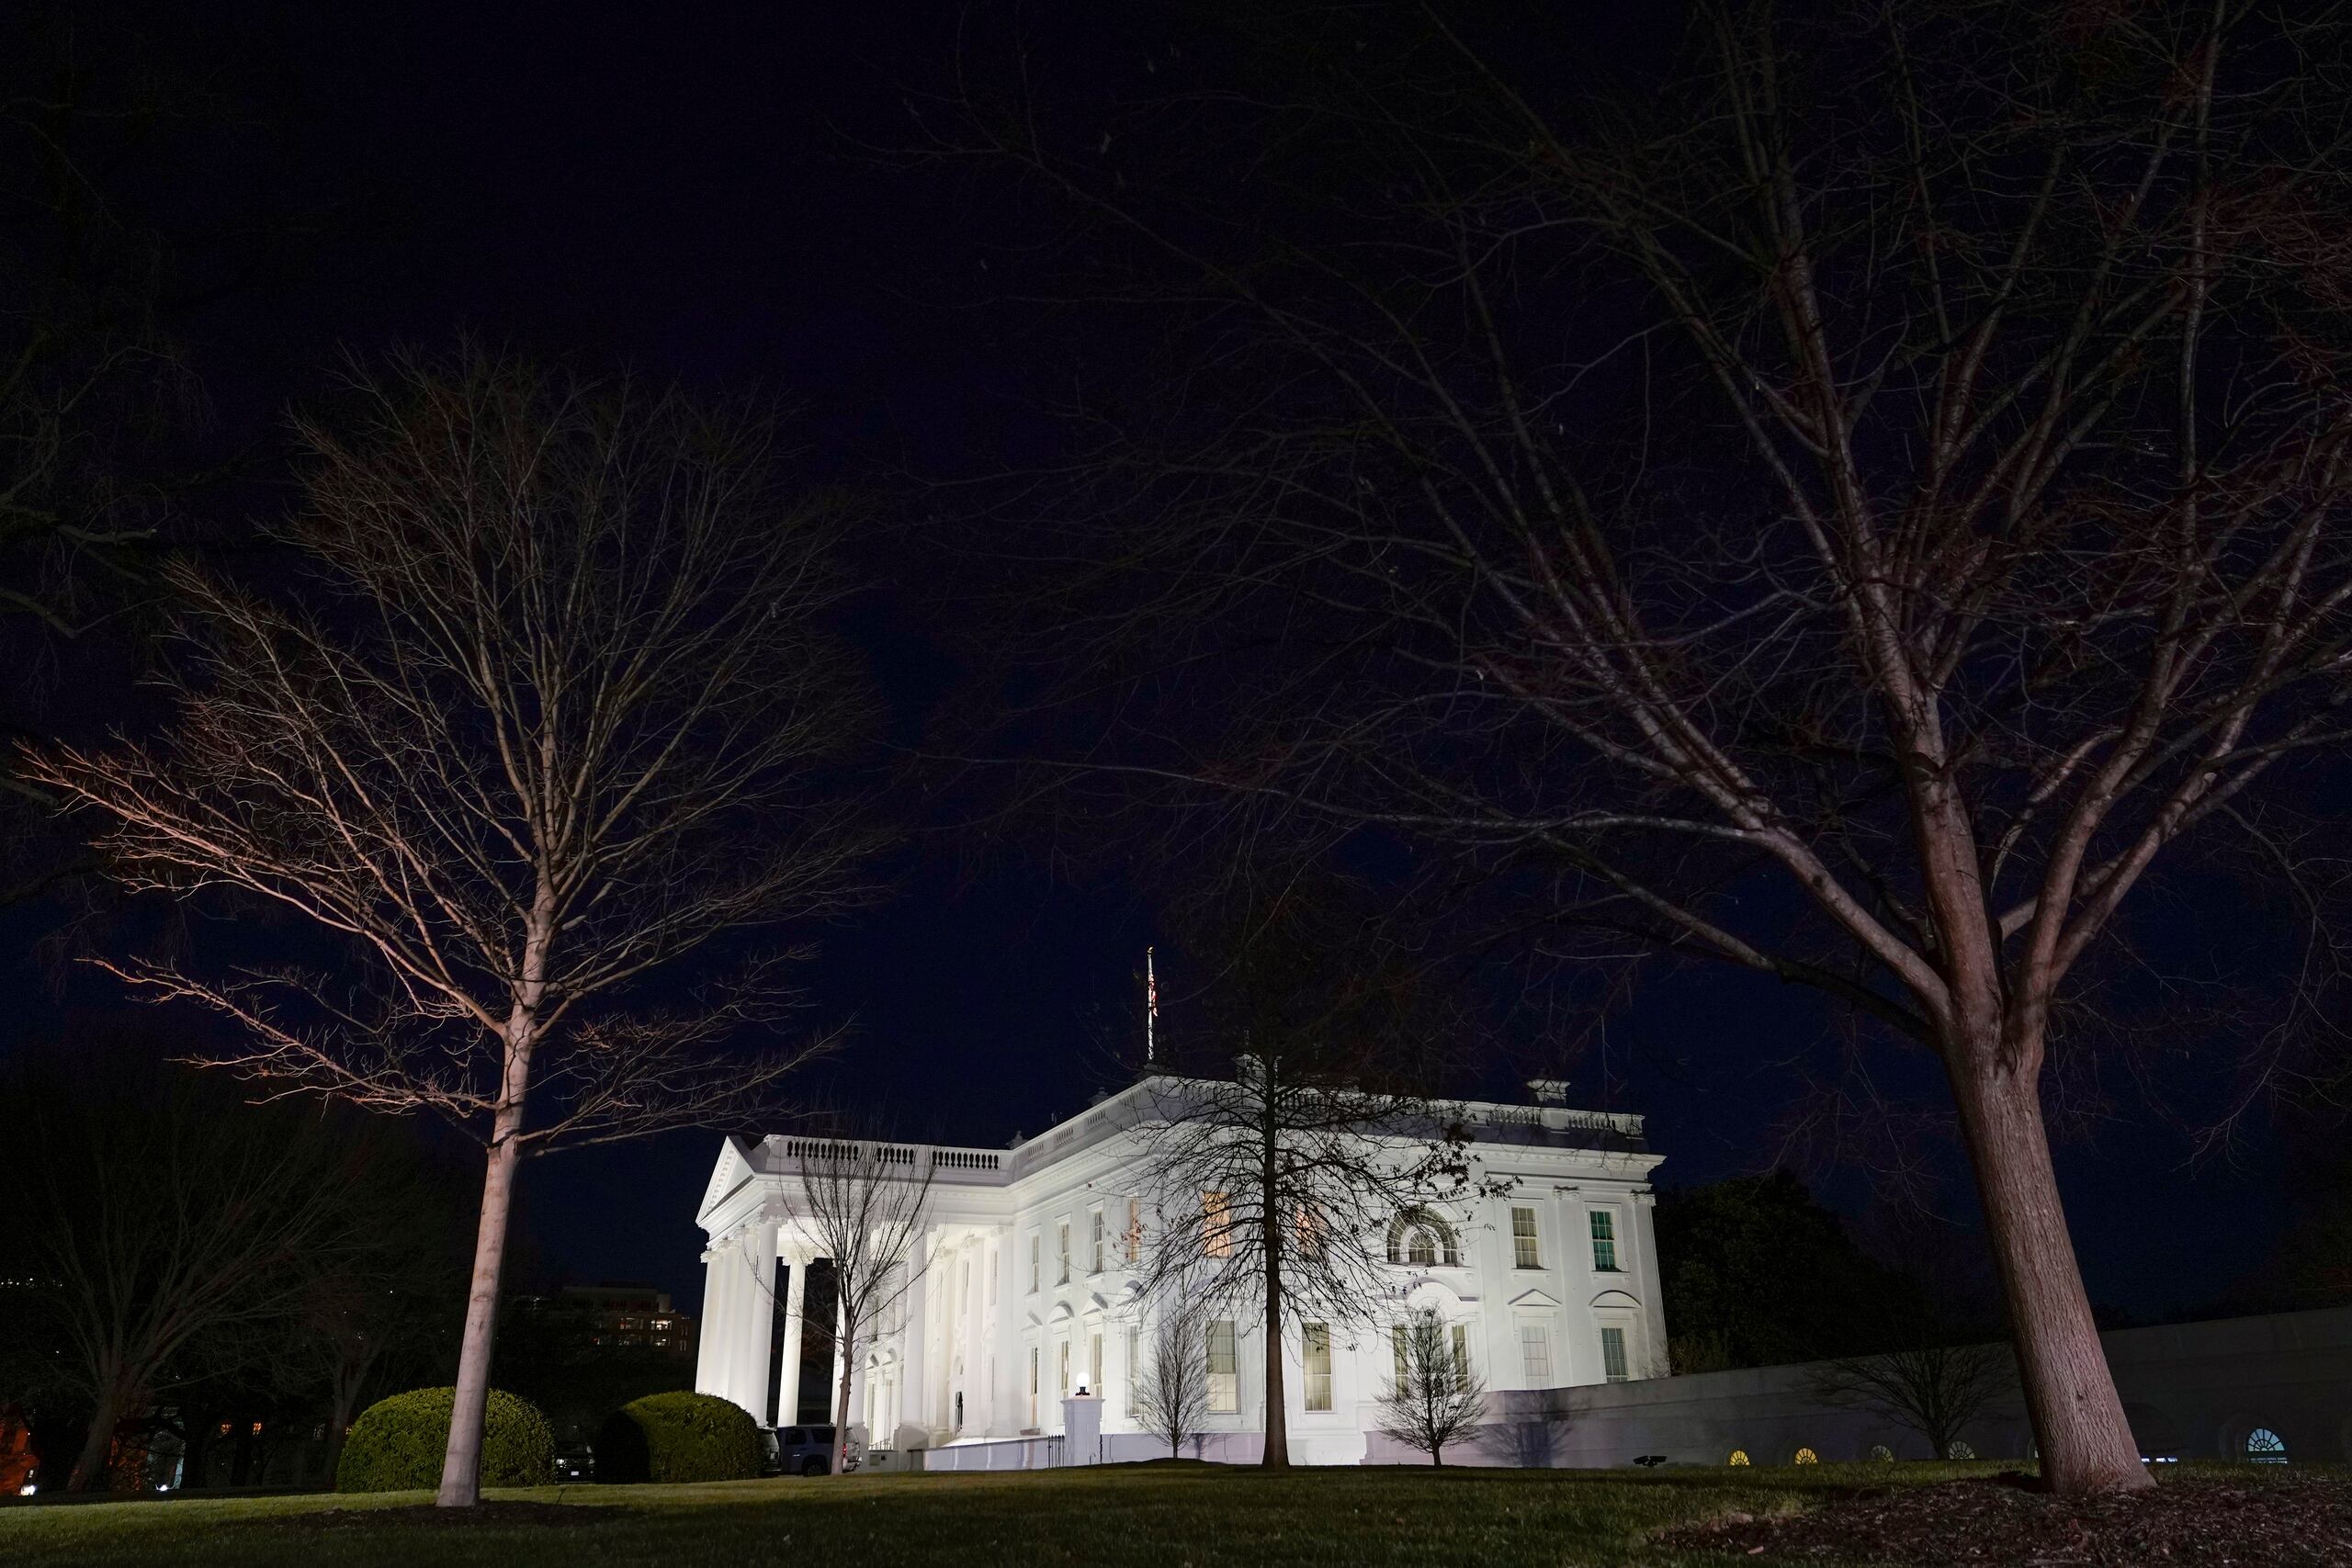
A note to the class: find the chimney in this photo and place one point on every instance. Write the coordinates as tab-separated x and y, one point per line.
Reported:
1549	1092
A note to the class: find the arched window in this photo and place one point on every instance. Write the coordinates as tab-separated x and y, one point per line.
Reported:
1806	1456
1738	1456
2264	1445
1420	1239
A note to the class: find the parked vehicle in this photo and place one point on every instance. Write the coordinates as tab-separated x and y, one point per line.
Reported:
803	1450
575	1461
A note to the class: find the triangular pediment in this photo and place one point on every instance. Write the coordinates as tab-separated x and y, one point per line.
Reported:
1534	1300
734	1167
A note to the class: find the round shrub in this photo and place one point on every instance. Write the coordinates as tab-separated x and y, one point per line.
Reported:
678	1437
398	1443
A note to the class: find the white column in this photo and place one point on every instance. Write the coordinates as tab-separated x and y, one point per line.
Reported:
914	1400
759	1337
706	1326
795	1296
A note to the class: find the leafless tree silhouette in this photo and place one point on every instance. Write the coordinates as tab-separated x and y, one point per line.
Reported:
1172	1391
553	710
1436	1398
1934	1389
865	1206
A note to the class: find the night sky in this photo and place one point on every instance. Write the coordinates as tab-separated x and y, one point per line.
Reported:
682	189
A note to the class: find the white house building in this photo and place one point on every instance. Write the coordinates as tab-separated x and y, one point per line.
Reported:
1021	1290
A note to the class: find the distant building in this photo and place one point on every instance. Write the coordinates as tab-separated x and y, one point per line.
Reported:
613	1317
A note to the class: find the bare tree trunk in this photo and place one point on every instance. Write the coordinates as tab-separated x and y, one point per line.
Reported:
841	1420
461	1467
1277	1451
90	1467
2085	1442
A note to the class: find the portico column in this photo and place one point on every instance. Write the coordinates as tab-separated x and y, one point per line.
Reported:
759	1333
788	1388
706	1337
913	1386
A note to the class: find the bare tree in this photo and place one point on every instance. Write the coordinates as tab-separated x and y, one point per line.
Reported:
554	710
1172	1391
1899	460
1275	1190
169	1233
1935	1389
1437	1397
866	1206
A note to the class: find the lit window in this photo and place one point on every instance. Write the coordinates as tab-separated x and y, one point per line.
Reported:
1420	1239
1134	1237
1604	1241
1224	1369
1216	1233
1094	1362
1061	1241
1524	1252
1462	1349
1061	1372
1095	1248
1806	1456
1311	1228
1535	1351
2264	1445
1318	1346
1613	1354
1738	1456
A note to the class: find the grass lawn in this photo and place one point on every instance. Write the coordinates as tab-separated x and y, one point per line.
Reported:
1182	1515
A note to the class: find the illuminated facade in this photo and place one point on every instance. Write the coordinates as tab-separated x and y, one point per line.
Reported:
1023	1290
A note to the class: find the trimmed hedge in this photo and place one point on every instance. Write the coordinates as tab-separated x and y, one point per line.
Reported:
678	1437
398	1443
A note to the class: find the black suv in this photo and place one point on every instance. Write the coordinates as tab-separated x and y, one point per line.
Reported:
801	1450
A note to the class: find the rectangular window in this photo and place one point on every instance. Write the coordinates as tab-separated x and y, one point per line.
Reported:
1311	1228
1604	1241
1135	1369
1462	1349
1133	1240
1061	1371
1396	1339
1224	1370
1095	1243
1524	1252
1032	1386
1318	1338
1032	1262
1095	1363
992	1277
1613	1354
1216	1233
1061	1240
1535	1353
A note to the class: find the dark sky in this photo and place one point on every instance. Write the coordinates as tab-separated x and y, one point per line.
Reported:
678	187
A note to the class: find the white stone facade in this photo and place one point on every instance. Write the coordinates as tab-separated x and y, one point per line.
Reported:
1023	1290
